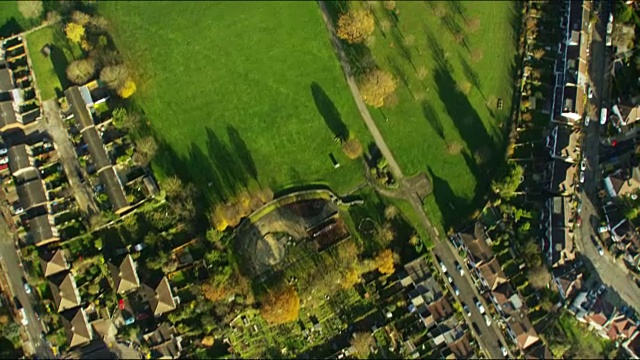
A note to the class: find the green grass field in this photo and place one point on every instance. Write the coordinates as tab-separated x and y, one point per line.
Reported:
11	21
50	71
240	91
432	117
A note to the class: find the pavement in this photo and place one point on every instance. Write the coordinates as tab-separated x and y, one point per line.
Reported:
12	267
490	337
68	157
609	272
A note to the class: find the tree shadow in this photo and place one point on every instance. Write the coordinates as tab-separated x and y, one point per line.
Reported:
60	63
437	52
401	74
451	206
451	24
457	8
329	112
10	27
223	160
471	76
432	119
405	52
240	148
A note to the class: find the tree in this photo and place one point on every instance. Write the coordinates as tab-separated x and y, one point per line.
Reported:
384	261
31	9
539	277
439	10
218	218
351	277
458	38
507	186
265	194
362	342
158	261
473	24
355	25
391	212
280	306
385	233
215	292
147	146
389	5
477	55
375	86
80	18
538	53
173	186
422	73
128	89
81	71
75	32
352	148
115	76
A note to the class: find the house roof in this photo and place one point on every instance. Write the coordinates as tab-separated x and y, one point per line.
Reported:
161	298
96	148
508	300
440	309
525	334
416	271
461	348
125	276
7	114
42	230
633	344
53	262
569	283
6	83
623	183
624	230
161	334
113	186
600	312
64	291
475	241
569	104
18	158
563	176
79	108
31	194
76	326
492	272
621	326
538	351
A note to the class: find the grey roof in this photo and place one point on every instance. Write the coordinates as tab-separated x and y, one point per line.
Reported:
96	148
42	230
64	292
31	194
31	116
7	114
5	80
112	184
18	158
77	327
79	108
125	276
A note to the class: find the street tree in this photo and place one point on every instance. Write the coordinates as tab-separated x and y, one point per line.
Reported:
355	25
81	71
375	86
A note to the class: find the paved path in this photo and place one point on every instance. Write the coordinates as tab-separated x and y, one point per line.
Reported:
68	157
489	337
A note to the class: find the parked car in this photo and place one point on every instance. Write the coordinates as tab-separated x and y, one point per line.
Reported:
459	268
579	208
487	319
4	151
456	290
583	164
587	120
601	290
504	351
466	309
479	306
27	288
582	177
450	279
600	250
590	93
4	160
444	268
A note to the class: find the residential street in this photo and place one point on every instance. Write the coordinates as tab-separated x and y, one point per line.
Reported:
10	262
610	273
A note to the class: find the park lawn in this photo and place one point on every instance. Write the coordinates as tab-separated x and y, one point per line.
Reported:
11	21
50	72
432	117
245	70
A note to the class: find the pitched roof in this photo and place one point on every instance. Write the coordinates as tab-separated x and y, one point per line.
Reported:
461	348
64	291
161	298
525	334
109	178
440	309
125	276
492	273
538	351
53	262
621	326
163	342
42	230
18	158
475	241
7	114
600	312
31	194
76	326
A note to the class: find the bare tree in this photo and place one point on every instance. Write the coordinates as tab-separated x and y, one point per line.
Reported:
115	76
81	71
539	277
31	9
362	342
173	186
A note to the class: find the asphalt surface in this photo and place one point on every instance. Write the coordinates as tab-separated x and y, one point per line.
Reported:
13	268
611	273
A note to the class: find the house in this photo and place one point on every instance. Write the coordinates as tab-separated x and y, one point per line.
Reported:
520	329
150	186
506	300
623	182
31	194
64	291
19	159
440	309
561	177
77	327
115	190
42	230
562	143
474	242
599	315
632	346
461	348
414	272
53	263
568	281
559	245
570	105
160	298
125	276
620	327
538	351
491	274
624	231
163	342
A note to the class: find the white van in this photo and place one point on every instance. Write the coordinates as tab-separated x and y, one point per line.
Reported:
603	116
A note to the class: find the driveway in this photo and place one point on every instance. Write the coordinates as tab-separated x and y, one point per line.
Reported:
57	130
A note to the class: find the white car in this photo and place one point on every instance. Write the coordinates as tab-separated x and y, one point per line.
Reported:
466	310
4	151
27	288
583	164
459	268
479	306
504	351
456	290
444	268
587	120
600	250
582	177
4	160
487	319
590	93
450	279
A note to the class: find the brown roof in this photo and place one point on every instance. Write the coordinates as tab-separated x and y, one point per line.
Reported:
538	351
461	348
475	240
621	326
526	335
125	277
600	313
160	299
492	273
64	291
76	326
161	334
440	309
53	263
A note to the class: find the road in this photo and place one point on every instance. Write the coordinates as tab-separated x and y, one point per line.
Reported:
490	337
610	272
13	268
68	157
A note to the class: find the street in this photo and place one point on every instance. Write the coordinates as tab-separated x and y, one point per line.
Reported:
609	272
13	269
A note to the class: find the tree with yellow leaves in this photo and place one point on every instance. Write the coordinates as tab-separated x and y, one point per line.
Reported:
351	277
384	261
128	89
355	25
280	306
375	86
74	32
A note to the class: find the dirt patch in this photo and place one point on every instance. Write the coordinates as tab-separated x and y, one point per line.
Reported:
419	184
454	148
